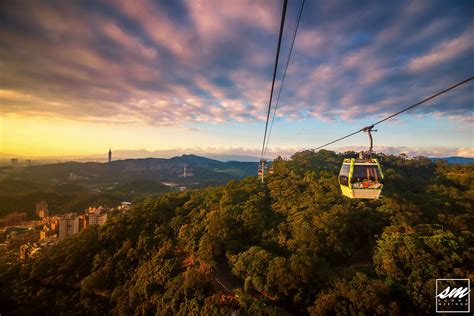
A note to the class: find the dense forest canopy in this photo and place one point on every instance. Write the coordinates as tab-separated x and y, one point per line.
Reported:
293	245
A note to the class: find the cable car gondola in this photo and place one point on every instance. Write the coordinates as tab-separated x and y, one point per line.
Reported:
361	178
261	167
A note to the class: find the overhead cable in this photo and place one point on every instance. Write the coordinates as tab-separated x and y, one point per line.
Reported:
399	112
282	24
284	75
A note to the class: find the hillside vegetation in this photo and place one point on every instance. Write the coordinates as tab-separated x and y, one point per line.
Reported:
291	246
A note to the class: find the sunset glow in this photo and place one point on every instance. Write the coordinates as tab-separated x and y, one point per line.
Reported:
78	79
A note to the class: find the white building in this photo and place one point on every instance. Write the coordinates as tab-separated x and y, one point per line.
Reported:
97	218
97	215
125	206
68	225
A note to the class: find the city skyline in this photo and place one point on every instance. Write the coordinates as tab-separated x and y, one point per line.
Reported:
195	76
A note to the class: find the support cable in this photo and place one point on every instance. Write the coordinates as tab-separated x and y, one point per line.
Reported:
399	112
282	24
284	75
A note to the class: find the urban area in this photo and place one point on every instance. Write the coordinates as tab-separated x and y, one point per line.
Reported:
23	238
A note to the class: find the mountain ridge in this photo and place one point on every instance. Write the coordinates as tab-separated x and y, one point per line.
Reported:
133	154
201	170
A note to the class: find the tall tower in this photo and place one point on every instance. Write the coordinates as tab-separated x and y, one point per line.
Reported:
110	154
184	172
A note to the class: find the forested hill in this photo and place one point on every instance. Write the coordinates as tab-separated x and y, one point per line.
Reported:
199	169
291	246
73	186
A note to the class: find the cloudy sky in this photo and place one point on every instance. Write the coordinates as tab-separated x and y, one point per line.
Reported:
78	77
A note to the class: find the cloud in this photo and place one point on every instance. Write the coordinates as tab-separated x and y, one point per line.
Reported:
287	152
170	63
116	33
438	151
442	53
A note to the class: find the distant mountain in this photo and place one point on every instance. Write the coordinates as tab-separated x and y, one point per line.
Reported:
127	154
234	157
185	170
196	160
455	160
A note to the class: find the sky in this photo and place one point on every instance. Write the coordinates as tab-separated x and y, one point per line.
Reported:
79	77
